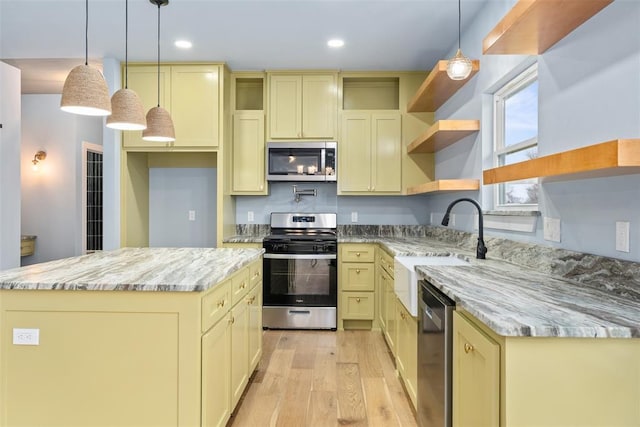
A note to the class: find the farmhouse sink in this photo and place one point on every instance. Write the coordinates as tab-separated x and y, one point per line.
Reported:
406	278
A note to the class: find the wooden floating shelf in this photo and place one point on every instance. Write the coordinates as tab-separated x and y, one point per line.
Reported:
533	26
437	88
445	185
442	134
617	157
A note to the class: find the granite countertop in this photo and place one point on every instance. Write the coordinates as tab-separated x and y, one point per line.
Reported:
518	301
133	269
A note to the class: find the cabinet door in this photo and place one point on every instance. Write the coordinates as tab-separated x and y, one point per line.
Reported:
476	375
255	326
390	317
195	105
143	80
354	152
381	299
386	140
239	350
285	106
319	106
216	379
248	153
407	350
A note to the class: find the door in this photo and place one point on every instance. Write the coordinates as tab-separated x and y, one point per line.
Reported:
216	379
355	153
195	105
248	153
319	106
144	81
386	173
476	376
300	280
285	106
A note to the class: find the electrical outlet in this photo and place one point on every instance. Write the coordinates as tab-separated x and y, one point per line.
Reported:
250	217
431	218
622	236
26	336
551	228
354	216
452	220
192	215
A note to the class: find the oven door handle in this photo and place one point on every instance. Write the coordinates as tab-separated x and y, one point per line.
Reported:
299	256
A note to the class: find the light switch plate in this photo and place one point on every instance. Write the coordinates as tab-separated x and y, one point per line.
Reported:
622	236
23	336
551	228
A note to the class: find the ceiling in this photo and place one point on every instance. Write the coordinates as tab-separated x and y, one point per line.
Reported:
45	38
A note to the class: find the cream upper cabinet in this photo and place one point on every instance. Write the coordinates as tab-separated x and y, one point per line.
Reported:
302	106
248	151
370	153
191	93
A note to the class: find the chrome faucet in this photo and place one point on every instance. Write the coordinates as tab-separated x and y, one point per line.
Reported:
481	250
306	192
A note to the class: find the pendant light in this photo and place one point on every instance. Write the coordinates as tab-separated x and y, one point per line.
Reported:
127	110
85	92
459	67
159	123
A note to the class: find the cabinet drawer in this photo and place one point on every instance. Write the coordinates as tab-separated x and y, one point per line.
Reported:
386	261
255	272
357	305
216	304
239	285
357	276
357	253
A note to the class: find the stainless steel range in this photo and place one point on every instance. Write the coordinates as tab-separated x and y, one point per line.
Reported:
301	271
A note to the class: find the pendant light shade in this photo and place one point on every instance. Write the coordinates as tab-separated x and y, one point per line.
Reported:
459	67
127	110
85	92
159	126
159	123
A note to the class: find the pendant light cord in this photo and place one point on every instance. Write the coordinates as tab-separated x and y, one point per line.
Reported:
459	22
126	44
86	32
158	54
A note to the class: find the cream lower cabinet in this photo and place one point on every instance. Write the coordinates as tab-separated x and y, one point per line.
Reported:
254	301
302	105
248	154
239	350
191	94
216	375
356	277
476	376
407	350
370	153
542	381
390	320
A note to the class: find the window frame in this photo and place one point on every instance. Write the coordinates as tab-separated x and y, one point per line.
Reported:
518	83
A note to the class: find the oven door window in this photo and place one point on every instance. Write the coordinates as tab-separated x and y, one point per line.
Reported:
304	282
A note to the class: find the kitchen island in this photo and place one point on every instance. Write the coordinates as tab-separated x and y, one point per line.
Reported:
132	337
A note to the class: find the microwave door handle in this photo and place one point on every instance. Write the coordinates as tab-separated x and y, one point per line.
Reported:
323	157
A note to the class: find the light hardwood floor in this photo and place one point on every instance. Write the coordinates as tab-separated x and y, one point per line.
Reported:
323	378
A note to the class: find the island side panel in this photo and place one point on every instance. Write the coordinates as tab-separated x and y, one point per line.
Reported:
123	358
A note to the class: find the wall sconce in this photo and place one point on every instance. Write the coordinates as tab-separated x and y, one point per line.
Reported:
39	156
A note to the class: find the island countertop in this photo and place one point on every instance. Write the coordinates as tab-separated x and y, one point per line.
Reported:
133	269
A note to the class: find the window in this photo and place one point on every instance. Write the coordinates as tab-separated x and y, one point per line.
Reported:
516	137
92	197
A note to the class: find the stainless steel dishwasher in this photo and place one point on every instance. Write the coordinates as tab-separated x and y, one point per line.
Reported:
435	335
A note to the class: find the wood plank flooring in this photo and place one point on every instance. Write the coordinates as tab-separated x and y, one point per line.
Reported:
324	379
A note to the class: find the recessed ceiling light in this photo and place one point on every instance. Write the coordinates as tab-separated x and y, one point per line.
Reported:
335	43
183	44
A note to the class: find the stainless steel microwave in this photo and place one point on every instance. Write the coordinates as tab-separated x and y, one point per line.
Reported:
302	161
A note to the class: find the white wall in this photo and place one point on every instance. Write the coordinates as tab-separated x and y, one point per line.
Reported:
10	167
51	197
589	93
